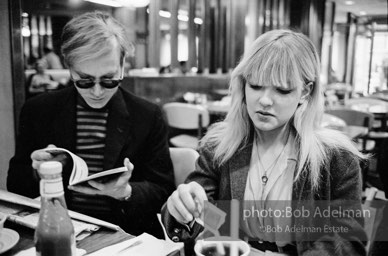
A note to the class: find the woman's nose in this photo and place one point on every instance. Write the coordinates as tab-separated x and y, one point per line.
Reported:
266	97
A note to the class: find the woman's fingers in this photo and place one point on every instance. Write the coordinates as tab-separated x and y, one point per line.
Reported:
178	209
187	201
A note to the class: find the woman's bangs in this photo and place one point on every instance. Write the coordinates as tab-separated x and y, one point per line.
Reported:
272	66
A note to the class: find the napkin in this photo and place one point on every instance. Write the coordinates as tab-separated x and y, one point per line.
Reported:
142	245
32	252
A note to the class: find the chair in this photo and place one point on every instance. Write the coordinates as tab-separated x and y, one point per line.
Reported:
332	121
364	100
352	117
355	118
183	161
371	142
186	117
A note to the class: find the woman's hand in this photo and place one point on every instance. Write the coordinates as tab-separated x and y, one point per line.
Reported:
186	203
118	188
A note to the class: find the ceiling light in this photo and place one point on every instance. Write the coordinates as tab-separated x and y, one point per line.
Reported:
362	13
134	3
181	17
164	14
106	2
198	21
349	2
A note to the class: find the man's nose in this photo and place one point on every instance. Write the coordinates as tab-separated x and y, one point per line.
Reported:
97	89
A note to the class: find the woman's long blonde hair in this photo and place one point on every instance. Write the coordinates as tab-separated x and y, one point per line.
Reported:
280	57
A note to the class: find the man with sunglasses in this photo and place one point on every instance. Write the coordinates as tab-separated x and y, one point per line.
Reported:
103	124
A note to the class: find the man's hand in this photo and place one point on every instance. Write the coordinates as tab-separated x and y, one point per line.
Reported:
118	188
39	156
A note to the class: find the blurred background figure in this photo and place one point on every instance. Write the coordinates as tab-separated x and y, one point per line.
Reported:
40	81
53	61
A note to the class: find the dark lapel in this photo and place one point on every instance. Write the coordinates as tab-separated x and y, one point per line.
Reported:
118	127
300	189
238	171
64	121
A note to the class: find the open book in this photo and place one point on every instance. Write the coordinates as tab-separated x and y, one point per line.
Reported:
80	173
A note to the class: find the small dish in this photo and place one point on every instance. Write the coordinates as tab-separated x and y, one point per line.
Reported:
8	239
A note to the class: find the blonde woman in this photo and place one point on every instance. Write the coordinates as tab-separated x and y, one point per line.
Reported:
271	148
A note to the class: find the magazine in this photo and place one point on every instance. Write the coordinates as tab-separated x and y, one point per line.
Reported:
20	207
80	173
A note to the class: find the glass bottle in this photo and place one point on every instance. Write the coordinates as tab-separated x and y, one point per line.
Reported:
54	235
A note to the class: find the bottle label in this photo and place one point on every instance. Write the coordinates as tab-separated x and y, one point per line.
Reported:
51	188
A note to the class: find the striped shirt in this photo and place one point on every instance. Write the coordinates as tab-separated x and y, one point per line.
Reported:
90	146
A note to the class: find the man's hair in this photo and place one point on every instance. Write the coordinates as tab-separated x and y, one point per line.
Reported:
90	35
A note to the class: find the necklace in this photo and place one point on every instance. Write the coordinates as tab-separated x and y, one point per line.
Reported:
264	178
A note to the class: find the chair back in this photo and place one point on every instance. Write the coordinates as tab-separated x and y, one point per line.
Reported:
186	116
183	161
332	121
367	101
353	117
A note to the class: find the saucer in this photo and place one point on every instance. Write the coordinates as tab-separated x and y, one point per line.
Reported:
8	239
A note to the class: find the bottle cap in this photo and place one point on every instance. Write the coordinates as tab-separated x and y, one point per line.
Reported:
50	167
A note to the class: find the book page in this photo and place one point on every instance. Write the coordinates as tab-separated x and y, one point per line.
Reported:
79	173
102	176
79	170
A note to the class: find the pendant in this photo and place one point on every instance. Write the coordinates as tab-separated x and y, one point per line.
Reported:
264	179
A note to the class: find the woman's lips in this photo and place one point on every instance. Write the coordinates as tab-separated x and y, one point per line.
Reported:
263	113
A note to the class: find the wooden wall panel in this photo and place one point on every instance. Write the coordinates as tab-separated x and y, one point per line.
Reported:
174	30
307	16
207	33
154	38
222	32
192	32
261	18
239	9
275	14
351	32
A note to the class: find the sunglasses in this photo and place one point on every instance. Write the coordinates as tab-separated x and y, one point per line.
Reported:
108	83
104	82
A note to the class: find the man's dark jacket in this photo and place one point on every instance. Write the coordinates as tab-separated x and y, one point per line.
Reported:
135	129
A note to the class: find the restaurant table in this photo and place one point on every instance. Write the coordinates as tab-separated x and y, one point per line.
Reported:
380	112
97	240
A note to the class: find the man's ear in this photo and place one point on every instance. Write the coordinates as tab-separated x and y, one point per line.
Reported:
307	88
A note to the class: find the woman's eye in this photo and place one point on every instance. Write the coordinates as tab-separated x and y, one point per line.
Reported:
283	91
255	86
